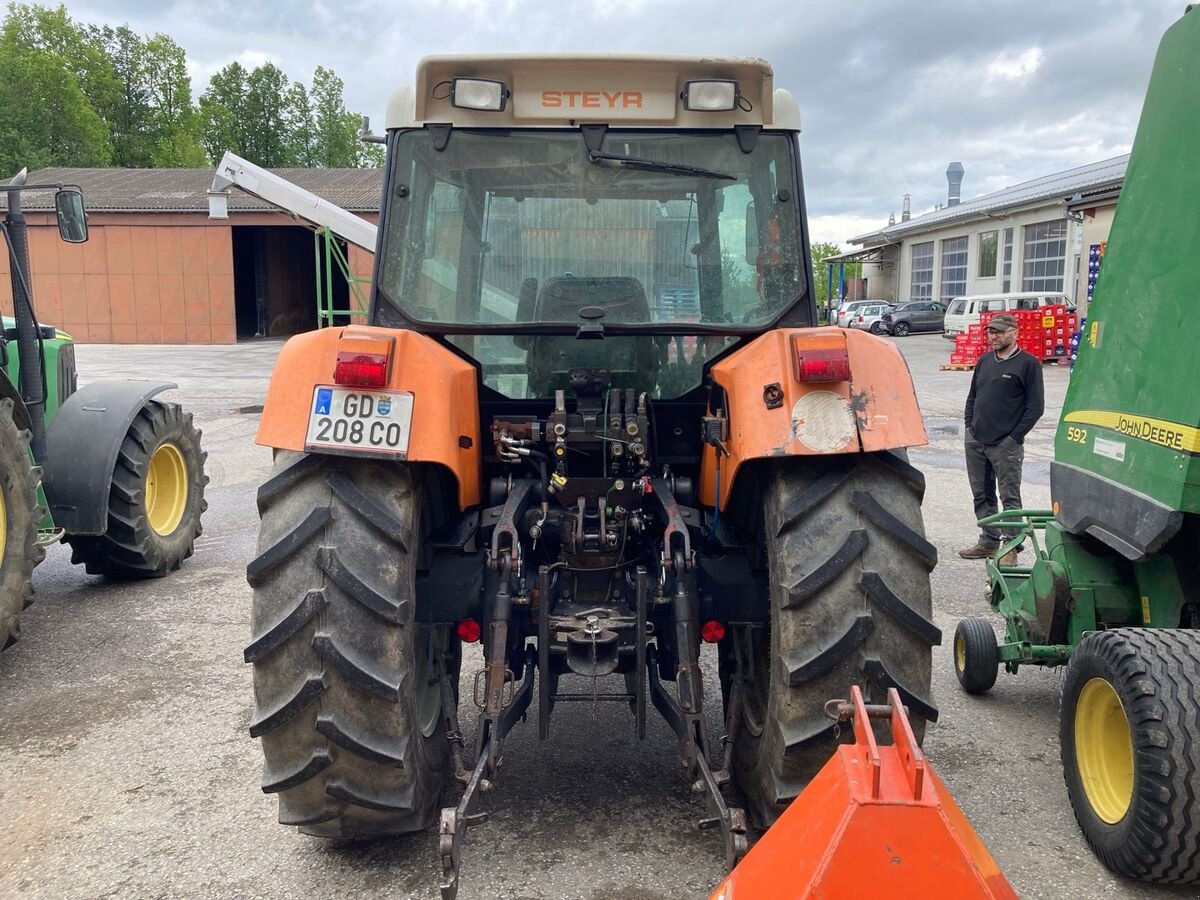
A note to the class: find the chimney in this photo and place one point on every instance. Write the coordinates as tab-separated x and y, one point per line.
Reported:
954	175
906	208
891	219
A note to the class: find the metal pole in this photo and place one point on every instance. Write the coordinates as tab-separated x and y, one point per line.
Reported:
33	386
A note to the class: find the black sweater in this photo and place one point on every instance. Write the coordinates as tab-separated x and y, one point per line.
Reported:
1006	397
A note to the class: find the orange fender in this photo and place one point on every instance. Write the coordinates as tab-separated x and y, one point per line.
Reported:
876	409
445	398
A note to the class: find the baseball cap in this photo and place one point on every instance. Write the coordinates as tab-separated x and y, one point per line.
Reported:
1002	322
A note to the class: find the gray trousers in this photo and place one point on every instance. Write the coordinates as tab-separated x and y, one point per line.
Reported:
989	468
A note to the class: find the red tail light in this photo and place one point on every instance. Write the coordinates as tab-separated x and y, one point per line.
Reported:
367	370
363	360
819	365
469	631
712	631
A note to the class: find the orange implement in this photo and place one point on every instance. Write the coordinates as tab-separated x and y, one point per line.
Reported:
876	821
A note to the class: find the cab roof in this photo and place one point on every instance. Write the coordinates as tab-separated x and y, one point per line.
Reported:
618	90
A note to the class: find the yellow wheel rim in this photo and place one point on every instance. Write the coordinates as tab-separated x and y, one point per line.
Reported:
960	653
1104	750
166	489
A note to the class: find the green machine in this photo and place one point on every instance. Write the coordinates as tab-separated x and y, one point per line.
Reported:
1114	589
106	468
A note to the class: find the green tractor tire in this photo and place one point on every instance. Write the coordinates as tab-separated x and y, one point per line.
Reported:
19	517
976	655
1130	741
155	501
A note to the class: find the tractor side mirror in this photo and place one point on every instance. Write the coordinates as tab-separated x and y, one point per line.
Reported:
751	234
72	218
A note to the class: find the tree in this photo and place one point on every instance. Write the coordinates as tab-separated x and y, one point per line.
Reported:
335	135
299	125
175	122
268	142
48	119
223	110
821	251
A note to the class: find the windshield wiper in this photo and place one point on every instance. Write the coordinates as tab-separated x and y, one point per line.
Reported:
653	165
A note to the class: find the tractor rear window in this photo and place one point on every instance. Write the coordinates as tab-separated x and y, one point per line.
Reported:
492	229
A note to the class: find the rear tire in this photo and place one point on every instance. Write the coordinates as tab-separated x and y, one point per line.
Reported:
877	328
347	704
19	518
1129	734
976	655
850	604
900	329
156	499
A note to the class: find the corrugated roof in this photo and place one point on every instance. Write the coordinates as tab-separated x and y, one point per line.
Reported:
186	190
1092	178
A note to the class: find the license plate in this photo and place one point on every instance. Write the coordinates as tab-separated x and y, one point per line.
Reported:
362	421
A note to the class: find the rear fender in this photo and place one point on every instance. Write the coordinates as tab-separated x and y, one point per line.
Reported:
81	450
445	419
772	414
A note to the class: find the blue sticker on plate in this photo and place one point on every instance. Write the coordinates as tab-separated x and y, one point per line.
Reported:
384	406
324	401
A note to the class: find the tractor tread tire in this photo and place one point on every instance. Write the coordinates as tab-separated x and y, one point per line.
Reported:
981	655
22	514
1156	675
336	652
850	604
131	548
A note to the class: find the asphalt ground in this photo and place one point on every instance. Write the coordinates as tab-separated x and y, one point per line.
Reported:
126	769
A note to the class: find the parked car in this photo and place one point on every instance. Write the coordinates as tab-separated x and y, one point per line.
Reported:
849	307
965	311
915	315
869	317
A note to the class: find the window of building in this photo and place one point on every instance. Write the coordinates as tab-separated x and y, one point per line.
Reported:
1008	252
922	271
987	254
954	267
1045	256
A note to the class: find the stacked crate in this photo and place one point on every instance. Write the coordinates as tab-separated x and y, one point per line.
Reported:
1045	332
971	345
1050	331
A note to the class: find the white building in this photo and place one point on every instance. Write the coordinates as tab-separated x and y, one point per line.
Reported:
1035	236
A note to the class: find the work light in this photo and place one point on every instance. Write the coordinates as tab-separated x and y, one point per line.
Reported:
478	93
710	96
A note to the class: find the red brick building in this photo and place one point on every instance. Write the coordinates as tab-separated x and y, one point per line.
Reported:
157	270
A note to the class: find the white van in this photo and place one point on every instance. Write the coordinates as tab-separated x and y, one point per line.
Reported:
965	311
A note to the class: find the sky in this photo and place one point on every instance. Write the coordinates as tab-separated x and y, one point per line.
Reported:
890	91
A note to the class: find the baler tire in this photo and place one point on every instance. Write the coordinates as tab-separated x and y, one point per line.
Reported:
346	703
1154	674
149	536
976	655
20	515
850	604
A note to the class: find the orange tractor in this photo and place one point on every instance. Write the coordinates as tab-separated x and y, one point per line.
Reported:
591	422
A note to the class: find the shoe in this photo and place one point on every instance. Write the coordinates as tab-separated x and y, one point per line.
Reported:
1010	558
979	551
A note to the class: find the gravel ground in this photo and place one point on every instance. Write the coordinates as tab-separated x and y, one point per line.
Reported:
128	771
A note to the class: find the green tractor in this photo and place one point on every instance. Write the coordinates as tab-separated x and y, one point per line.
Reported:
107	468
1114	589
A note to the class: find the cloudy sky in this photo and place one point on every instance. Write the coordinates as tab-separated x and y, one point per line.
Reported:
890	91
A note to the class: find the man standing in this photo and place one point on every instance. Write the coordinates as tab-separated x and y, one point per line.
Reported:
1005	401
